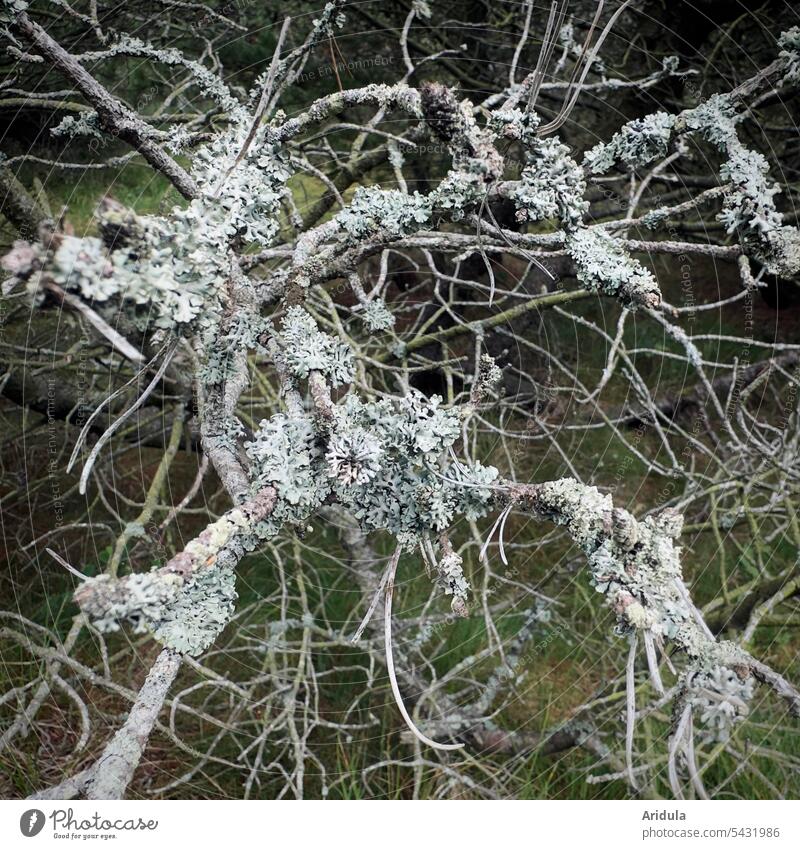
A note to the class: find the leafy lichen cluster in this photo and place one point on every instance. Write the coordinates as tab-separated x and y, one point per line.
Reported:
382	460
450	570
721	698
184	604
636	566
197	615
394	214
84	125
603	265
551	186
414	492
303	348
238	197
10	9
749	206
638	143
390	211
287	455
184	613
376	315
153	274
170	271
789	43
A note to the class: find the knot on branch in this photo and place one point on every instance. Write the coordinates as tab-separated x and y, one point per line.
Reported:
472	148
444	116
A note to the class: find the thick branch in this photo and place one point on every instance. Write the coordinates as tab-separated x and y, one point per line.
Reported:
18	206
114	116
636	564
110	775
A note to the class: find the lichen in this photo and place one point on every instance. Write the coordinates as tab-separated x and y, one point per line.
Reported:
487	380
415	493
382	460
721	698
390	211
84	125
303	349
635	565
603	265
789	43
377	316
749	206
287	455
10	9
450	571
354	456
551	185
715	120
636	144
197	615
516	125
171	271
186	603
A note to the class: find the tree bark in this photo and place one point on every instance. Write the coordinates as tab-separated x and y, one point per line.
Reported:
116	118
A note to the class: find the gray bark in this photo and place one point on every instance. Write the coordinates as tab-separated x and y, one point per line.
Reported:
114	116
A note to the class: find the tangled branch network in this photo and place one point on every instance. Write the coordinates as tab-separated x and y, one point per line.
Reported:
367	375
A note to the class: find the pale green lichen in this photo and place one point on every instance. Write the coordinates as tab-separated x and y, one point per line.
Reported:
303	349
10	9
789	43
383	460
287	455
636	566
517	125
636	144
377	316
186	615
198	614
450	571
84	125
750	205
721	699
714	119
171	271
185	605
393	212
551	185
603	265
